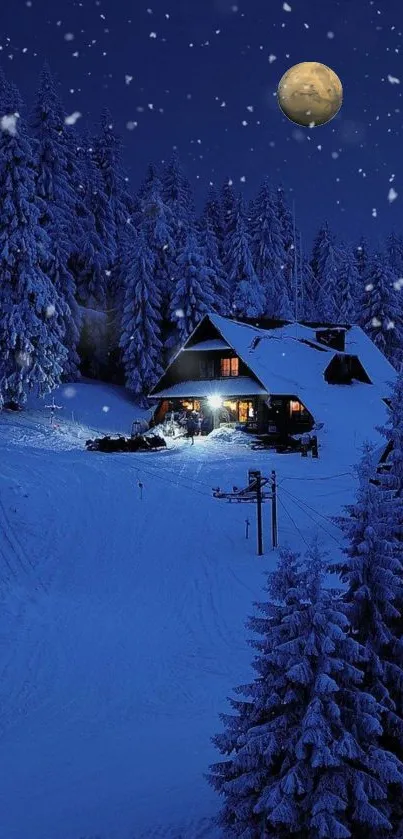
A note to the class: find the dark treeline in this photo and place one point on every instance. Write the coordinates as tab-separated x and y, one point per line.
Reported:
97	281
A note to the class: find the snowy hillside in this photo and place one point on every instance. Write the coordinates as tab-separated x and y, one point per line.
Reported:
123	617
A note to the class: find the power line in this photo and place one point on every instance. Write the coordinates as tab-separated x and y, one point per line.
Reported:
295	525
316	477
317	513
156	474
317	523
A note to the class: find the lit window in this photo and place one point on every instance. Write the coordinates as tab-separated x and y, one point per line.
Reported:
229	366
295	406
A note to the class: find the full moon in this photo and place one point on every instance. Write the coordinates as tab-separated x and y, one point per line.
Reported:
310	94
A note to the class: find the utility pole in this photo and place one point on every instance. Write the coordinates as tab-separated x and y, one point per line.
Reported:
253	494
274	530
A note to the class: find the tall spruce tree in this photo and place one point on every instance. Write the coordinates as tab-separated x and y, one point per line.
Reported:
325	265
178	196
192	298
348	286
268	250
57	205
96	257
155	220
302	746
380	310
373	573
210	243
248	297
32	314
394	253
212	217
140	339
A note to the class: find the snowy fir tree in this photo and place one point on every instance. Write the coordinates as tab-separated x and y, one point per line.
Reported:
212	217
268	249
348	284
210	243
394	253
57	205
192	298
362	255
303	744
32	315
325	265
248	297
155	220
140	339
178	196
229	209
380	309
96	256
373	573
289	234
107	153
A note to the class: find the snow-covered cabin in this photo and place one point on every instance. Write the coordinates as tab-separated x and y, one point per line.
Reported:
277	376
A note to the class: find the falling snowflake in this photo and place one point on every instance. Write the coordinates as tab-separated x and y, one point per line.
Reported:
398	284
179	313
374	212
393	80
8	123
50	310
272	58
105	409
69	36
376	322
392	195
390	325
286	7
128	79
72	118
370	286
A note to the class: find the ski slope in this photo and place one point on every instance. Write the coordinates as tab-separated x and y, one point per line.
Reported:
122	618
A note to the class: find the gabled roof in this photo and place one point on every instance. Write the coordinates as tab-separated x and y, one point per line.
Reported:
289	360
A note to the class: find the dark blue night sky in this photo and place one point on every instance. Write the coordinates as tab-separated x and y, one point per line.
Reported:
202	76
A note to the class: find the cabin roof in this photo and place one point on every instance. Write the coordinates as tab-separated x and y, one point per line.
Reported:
232	386
287	359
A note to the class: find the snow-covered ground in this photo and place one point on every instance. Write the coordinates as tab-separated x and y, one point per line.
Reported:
122	618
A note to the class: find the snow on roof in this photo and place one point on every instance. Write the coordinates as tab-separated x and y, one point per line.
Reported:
232	386
285	364
210	344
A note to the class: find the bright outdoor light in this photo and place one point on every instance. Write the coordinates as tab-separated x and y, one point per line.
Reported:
214	401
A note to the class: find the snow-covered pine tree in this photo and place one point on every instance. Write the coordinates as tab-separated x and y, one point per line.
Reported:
362	254
373	574
302	746
178	196
394	253
248	296
140	337
348	286
209	241
325	265
268	250
287	230
192	297
107	146
212	217
96	257
155	220
380	309
57	205
32	314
